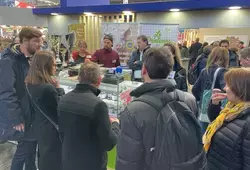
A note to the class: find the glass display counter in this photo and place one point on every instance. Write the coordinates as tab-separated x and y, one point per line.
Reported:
114	92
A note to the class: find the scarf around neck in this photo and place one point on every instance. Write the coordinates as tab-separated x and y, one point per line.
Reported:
229	113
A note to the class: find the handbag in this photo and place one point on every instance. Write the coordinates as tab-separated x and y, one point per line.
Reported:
44	114
206	97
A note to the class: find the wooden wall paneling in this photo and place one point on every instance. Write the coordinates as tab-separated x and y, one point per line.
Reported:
93	26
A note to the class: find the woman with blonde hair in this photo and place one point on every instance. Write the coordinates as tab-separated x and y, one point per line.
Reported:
178	69
44	91
210	77
82	53
227	138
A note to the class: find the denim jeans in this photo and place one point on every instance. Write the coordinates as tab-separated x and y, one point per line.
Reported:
25	155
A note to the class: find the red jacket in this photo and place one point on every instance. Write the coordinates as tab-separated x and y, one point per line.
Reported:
109	58
75	55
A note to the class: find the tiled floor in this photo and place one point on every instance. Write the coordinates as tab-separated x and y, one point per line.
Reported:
6	153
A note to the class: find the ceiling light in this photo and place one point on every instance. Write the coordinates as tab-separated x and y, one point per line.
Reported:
234	7
174	10
54	14
88	13
127	12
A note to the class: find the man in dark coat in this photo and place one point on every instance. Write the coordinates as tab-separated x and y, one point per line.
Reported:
194	49
138	120
233	57
135	62
85	125
15	109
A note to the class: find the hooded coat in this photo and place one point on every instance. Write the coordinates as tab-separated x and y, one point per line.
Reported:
14	102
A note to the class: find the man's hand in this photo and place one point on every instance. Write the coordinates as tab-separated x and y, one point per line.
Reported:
19	128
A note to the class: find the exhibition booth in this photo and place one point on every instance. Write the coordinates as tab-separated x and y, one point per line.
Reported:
161	22
125	24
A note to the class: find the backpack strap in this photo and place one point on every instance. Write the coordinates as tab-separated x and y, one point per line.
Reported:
155	102
215	77
159	103
180	96
44	114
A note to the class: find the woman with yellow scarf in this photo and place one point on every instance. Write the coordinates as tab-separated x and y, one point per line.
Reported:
227	138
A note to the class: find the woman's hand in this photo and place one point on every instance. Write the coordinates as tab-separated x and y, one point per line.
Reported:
113	119
218	96
55	83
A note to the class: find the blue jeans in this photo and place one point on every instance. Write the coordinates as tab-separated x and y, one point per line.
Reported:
204	126
25	154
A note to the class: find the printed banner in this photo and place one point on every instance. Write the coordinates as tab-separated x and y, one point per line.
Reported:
124	38
159	34
79	31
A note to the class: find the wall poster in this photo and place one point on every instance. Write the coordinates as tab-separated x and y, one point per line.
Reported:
79	31
124	37
159	34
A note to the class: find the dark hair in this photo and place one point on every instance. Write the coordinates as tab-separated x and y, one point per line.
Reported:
207	49
108	37
41	68
223	42
204	44
143	38
29	33
158	62
238	81
241	42
218	56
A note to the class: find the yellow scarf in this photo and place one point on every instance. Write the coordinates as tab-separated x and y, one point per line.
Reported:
230	112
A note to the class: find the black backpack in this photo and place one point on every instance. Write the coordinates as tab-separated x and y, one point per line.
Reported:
178	144
193	71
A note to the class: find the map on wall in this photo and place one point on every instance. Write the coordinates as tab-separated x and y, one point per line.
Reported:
159	34
233	39
124	38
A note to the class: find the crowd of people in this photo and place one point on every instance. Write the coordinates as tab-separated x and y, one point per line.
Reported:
164	127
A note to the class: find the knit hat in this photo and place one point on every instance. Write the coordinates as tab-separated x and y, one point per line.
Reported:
108	37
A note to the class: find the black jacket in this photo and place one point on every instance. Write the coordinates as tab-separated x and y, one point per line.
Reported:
193	51
136	57
86	129
180	76
230	147
202	60
205	79
233	59
46	97
14	102
138	127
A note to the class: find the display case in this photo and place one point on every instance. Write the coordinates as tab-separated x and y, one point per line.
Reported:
114	91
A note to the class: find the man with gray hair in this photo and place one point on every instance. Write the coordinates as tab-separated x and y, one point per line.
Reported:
244	57
85	125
